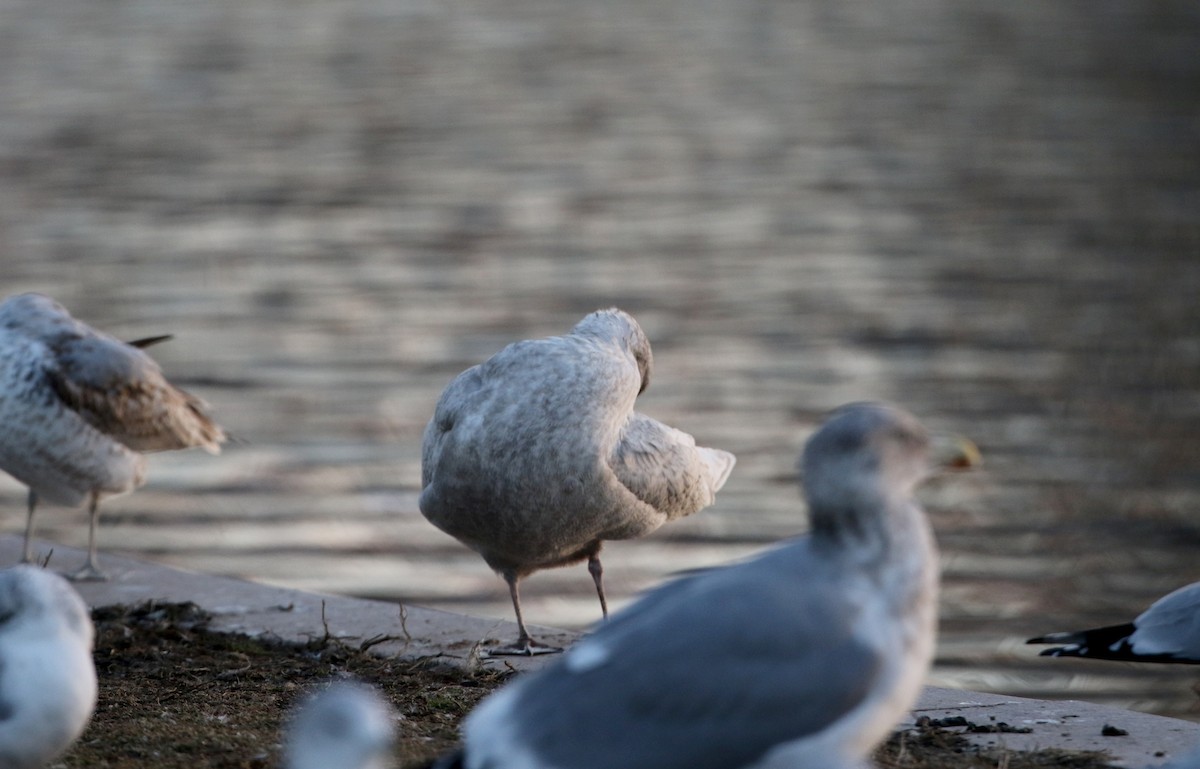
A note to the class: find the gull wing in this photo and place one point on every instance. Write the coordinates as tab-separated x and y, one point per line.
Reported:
122	392
664	468
695	676
1171	625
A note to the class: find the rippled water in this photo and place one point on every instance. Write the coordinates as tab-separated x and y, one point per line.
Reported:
986	214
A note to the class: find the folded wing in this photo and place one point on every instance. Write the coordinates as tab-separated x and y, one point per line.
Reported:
664	468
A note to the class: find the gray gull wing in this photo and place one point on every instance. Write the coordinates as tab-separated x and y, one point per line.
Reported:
1171	625
676	670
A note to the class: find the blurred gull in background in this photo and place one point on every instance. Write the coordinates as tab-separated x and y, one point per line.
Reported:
78	406
536	456
47	677
347	726
1169	631
805	657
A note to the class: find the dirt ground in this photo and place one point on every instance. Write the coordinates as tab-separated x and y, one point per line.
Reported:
173	694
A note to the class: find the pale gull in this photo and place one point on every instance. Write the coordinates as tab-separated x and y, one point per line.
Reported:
78	406
805	657
1189	760
535	457
47	677
1169	631
346	726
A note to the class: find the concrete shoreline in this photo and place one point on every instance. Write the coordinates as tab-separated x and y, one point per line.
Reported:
414	632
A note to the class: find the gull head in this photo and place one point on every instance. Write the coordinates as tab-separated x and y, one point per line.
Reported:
619	327
42	603
347	726
869	455
48	681
32	314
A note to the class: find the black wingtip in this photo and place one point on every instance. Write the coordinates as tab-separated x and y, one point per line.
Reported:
1059	651
1092	643
150	341
1104	643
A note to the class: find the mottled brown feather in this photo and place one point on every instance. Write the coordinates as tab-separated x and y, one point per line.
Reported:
143	415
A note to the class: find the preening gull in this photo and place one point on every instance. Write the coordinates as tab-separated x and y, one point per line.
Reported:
347	726
536	456
1169	631
47	678
78	406
804	658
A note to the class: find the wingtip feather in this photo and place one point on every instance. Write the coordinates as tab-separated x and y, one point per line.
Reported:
720	465
1057	651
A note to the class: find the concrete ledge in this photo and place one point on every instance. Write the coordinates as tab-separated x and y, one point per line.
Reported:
1063	724
293	615
253	609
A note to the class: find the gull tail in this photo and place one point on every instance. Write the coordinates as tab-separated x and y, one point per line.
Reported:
719	464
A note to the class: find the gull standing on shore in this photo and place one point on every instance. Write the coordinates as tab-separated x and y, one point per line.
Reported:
47	677
804	658
535	457
78	406
1169	631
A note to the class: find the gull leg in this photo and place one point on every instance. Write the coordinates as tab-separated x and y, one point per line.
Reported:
597	572
27	553
90	571
525	645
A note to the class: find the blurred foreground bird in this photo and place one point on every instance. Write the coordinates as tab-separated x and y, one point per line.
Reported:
78	406
1189	760
1169	631
347	726
804	658
535	457
47	678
